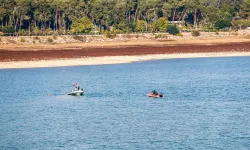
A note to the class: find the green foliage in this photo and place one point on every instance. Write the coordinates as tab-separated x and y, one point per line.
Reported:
23	32
211	29
195	33
227	12
153	27
140	26
122	27
109	34
179	34
8	29
162	24
117	31
172	29
132	26
83	25
239	24
220	24
245	7
36	31
44	17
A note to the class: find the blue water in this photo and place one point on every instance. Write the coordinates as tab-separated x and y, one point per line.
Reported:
206	106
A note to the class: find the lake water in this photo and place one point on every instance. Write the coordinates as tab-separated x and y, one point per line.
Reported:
206	106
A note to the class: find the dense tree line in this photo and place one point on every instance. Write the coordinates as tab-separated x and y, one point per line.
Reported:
83	16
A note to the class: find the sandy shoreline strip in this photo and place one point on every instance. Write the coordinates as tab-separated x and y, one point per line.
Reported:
112	60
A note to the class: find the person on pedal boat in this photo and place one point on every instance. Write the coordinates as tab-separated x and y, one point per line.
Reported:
77	87
154	92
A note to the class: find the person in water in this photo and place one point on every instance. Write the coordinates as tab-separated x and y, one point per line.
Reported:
154	92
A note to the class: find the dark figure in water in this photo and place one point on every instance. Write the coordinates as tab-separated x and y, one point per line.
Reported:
154	92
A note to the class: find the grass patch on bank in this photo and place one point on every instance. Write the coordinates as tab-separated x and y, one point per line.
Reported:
80	38
54	37
161	36
36	38
11	41
195	33
22	40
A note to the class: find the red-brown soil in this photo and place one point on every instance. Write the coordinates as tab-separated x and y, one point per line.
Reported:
7	55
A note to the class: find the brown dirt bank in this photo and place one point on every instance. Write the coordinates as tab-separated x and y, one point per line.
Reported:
6	55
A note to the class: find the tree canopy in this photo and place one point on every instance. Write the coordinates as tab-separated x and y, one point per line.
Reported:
81	16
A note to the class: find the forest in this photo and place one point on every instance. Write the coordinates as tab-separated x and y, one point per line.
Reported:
47	17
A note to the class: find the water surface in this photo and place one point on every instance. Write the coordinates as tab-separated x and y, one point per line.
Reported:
206	106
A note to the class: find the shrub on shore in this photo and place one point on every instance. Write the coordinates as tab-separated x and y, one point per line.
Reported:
221	24
8	30
172	29
195	33
109	34
49	40
162	36
179	34
241	24
22	40
162	24
49	31
54	37
23	33
83	25
80	38
36	31
140	26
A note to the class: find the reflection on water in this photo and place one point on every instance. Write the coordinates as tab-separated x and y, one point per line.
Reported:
206	106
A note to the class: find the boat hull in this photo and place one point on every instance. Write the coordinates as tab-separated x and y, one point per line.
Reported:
76	93
155	95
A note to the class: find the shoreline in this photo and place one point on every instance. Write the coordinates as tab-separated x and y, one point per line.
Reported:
126	43
105	60
117	52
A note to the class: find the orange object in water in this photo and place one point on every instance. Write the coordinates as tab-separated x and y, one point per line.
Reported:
155	95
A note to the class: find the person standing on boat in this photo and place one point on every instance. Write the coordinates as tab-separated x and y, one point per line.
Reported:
154	92
77	87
